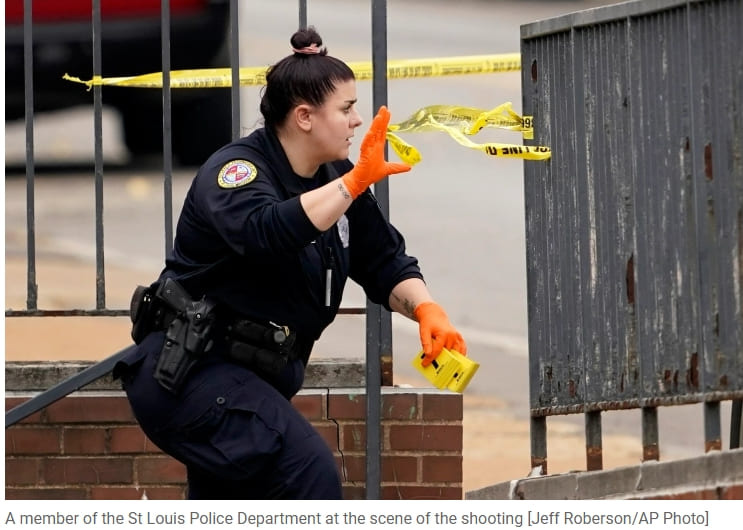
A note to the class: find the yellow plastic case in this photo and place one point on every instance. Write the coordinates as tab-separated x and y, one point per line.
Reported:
450	370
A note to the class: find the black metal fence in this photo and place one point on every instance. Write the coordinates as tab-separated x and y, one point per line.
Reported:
635	227
378	320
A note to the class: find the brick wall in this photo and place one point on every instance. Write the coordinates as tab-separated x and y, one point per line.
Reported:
89	446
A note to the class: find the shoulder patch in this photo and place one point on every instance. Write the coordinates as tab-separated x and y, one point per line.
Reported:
236	173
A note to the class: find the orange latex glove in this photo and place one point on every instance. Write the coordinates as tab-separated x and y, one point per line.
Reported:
436	332
371	166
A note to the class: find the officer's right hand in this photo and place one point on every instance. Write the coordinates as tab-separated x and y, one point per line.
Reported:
371	166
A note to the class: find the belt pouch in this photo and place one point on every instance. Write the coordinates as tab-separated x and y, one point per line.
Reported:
258	359
144	313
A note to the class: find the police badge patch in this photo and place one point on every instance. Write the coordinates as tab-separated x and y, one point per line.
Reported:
236	173
343	230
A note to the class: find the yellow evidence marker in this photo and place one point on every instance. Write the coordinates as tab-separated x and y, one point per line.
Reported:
450	370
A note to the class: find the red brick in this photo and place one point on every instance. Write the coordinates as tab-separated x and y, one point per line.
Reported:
405	437
353	436
130	439
329	432
420	492
165	493
130	493
443	468
32	440
347	406
729	493
425	437
115	493
81	441
394	468
90	409
21	471
63	494
354	492
87	470
399	469
355	468
400	407
36	417
310	405
443	407
443	437
160	470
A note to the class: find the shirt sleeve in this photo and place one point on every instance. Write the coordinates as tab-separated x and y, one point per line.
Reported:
252	218
378	256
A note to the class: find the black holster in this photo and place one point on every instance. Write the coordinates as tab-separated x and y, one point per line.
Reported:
187	337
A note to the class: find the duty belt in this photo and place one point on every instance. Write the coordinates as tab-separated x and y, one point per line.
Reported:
192	328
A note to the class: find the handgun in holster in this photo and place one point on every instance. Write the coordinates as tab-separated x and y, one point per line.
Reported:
187	337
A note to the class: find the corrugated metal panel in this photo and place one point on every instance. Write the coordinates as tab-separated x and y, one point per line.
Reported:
635	226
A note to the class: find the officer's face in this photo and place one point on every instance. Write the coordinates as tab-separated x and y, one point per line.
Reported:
334	122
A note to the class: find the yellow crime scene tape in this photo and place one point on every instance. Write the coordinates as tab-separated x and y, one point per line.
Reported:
256	75
458	122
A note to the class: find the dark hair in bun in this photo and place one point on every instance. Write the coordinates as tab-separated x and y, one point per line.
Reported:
306	76
307	42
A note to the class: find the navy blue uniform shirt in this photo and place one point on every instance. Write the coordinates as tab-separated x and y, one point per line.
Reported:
246	241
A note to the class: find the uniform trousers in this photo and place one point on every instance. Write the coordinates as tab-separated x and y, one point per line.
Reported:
237	435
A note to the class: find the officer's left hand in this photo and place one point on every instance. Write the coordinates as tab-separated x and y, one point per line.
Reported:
371	166
436	332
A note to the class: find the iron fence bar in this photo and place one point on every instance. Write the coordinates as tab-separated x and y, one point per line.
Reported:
28	92
68	313
302	13
594	444
650	446
635	403
167	126
378	320
736	415
69	385
538	440
117	312
235	67
712	430
100	273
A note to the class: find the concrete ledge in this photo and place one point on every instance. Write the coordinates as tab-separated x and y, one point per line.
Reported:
714	470
42	375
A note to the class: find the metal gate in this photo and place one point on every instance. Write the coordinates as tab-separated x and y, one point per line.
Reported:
635	227
378	319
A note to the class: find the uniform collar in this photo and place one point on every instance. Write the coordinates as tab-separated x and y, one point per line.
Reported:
293	183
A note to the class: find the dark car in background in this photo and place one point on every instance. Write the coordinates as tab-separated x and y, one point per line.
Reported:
131	45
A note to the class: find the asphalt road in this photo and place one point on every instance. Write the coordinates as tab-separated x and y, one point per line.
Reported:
461	212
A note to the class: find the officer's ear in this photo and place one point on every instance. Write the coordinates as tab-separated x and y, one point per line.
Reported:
302	115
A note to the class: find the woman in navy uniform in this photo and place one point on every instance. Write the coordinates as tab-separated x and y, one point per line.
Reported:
271	228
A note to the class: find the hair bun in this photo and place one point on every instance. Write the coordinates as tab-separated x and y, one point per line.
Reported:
307	41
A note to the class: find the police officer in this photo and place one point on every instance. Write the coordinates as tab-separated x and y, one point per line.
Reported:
271	228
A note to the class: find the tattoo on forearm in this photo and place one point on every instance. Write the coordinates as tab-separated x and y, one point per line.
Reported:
343	191
407	305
